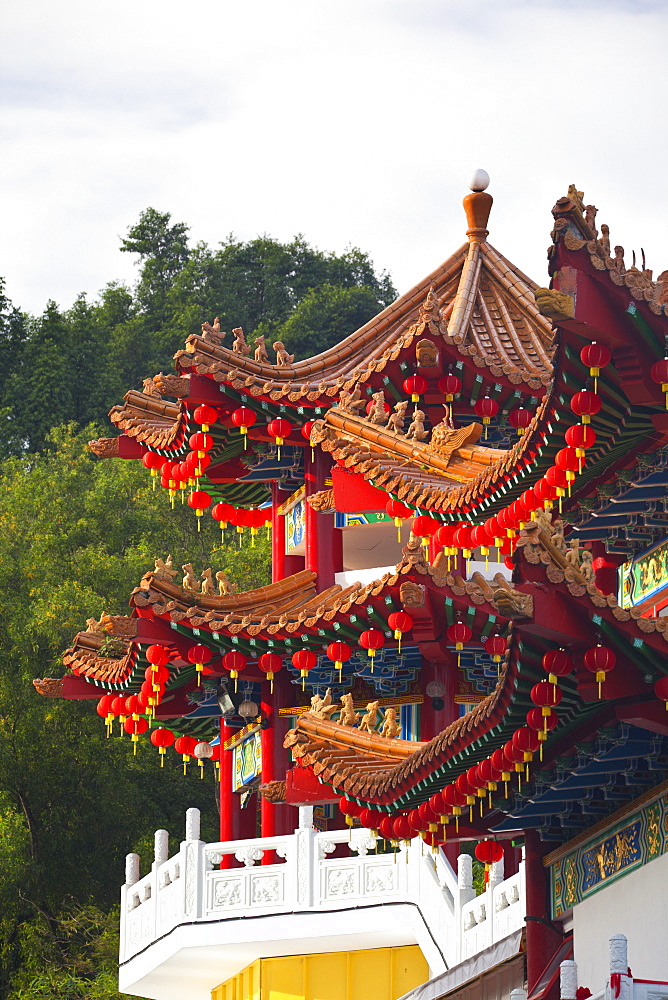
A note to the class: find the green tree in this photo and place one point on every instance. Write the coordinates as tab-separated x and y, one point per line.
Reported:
325	316
163	250
78	533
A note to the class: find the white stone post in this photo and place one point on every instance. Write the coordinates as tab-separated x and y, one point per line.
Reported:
192	866
192	824
465	893
465	872
620	984
131	869
305	817
568	980
160	848
518	995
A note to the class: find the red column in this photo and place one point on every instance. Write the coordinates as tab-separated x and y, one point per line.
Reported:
282	565
433	721
605	568
320	531
235	823
276	819
542	940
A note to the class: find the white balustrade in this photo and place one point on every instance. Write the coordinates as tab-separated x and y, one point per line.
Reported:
227	881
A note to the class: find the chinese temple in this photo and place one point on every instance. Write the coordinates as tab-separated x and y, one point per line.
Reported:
441	732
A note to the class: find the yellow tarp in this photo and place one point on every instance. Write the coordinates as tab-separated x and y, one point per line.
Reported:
376	974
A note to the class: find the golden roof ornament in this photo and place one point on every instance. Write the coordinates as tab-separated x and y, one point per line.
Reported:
477	206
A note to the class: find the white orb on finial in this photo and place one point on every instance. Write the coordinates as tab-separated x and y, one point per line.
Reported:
480	180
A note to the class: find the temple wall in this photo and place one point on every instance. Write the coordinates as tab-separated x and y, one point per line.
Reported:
637	906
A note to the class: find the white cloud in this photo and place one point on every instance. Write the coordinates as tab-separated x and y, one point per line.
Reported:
356	122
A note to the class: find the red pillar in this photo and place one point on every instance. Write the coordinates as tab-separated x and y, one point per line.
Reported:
321	547
276	820
282	565
542	940
444	671
235	823
605	568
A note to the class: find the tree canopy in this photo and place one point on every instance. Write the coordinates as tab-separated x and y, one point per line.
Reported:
78	533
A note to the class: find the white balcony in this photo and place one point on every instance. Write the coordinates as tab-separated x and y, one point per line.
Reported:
194	921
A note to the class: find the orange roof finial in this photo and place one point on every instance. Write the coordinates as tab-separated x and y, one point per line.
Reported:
477	206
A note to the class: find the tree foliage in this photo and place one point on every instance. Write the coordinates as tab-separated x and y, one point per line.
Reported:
74	364
78	535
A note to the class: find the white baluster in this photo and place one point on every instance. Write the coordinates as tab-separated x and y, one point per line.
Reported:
568	979
192	824
131	869
160	848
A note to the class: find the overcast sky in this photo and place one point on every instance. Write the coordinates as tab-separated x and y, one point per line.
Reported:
354	122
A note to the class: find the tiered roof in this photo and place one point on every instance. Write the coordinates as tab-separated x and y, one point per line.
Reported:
478	316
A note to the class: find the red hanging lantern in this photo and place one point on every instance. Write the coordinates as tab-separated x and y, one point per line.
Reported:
372	640
445	536
280	429
152	461
415	386
481	539
462	539
530	501
205	415
304	660
222	512
270	664
135	727
520	419
659	373
580	437
201	443
450	386
104	710
459	633
400	622
488	852
400	512
158	676
508	521
402	829
370	819
488	775
243	418
235	662
349	809
556	663
541	724
526	740
424	527
159	655
339	653
455	801
545	493
661	690
199	500
162	738
567	460
495	645
600	660
428	816
185	745
487	409
595	356
386	828
199	655
586	404
546	695
502	764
